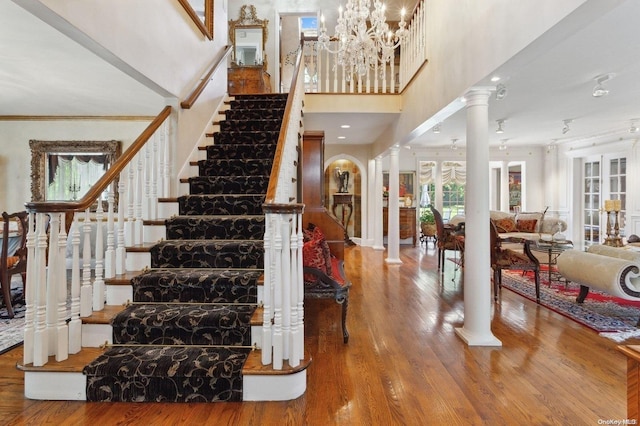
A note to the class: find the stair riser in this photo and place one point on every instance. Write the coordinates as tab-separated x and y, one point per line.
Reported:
236	287
166	374
235	167
175	324
259	104
254	114
244	152
195	228
229	185
254	138
220	205
257	125
208	255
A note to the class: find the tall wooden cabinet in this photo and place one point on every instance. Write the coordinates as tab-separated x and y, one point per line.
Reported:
312	189
408	228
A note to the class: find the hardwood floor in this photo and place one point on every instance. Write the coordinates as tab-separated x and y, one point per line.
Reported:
403	365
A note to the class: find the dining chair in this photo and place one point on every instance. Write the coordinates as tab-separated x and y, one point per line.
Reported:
512	259
446	239
16	262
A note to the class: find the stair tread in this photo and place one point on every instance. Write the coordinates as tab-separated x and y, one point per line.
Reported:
104	316
76	363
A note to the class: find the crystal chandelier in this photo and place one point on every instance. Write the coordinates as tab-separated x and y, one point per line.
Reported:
363	37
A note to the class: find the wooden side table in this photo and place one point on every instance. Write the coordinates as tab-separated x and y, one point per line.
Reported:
345	201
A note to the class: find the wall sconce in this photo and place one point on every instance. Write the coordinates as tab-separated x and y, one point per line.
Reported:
500	122
634	128
503	145
453	144
436	128
551	146
501	92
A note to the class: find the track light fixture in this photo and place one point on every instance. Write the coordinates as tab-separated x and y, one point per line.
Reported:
436	128
501	92
566	128
600	91
503	144
634	128
551	146
453	144
500	123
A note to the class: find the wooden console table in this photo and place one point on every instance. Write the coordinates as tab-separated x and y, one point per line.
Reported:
408	226
345	201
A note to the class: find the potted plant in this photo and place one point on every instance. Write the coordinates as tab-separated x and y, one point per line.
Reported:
428	223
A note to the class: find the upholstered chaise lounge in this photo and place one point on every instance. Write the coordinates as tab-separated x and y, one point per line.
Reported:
615	271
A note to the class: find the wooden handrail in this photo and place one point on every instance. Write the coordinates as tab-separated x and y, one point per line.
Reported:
193	97
101	185
275	169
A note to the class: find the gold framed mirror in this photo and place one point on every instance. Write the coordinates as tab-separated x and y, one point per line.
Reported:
248	35
65	170
201	11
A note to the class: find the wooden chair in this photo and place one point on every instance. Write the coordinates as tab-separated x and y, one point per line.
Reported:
16	262
505	258
446	239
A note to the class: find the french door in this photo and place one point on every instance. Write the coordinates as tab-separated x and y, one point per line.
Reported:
604	178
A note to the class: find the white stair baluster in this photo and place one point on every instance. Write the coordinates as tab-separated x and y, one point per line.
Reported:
86	291
75	325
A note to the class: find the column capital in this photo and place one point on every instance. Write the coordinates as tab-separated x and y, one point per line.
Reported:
478	95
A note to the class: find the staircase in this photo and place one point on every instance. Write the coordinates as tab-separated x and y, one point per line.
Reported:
194	320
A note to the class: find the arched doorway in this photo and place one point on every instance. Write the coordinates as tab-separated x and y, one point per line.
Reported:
343	193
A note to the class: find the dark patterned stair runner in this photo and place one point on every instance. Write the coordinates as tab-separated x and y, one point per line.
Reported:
187	335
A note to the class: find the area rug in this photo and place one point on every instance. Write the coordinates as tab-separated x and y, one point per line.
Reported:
12	329
610	316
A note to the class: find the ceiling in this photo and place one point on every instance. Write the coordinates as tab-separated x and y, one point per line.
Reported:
43	72
548	82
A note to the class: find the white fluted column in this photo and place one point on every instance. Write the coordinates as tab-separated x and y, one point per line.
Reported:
477	268
393	227
504	186
376	216
368	239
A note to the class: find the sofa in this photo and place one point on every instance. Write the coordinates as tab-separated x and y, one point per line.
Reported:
527	225
613	270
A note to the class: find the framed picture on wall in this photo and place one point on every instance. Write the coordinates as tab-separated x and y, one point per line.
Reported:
406	184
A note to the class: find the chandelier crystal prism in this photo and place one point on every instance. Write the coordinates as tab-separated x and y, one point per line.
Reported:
364	40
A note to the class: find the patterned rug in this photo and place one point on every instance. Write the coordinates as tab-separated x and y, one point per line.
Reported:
610	316
11	329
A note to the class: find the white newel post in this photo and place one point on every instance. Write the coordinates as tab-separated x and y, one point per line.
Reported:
477	269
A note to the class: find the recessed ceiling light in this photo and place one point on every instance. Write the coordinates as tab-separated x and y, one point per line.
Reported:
342	137
495	78
345	126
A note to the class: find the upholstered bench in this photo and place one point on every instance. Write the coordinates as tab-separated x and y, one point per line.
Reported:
324	275
615	271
